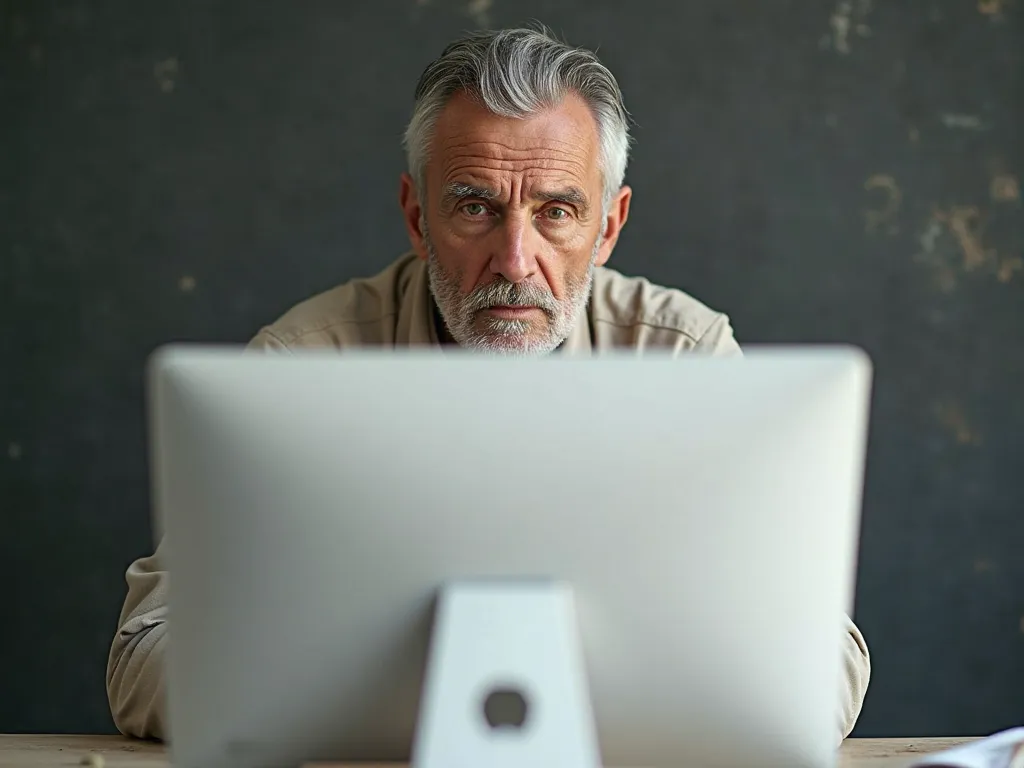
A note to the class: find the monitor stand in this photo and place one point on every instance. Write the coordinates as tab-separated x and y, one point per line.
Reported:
505	683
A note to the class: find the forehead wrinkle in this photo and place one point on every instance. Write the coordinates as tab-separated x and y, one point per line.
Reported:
473	166
496	155
525	144
520	160
538	161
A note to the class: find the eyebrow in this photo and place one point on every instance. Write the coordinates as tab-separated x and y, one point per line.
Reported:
458	191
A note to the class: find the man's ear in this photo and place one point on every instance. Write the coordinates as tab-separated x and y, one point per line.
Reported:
614	221
413	213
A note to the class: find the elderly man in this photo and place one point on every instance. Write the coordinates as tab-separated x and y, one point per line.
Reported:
513	202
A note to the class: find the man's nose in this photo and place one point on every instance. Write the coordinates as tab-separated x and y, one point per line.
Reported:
514	257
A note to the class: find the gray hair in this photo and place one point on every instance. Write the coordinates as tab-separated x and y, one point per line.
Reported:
516	73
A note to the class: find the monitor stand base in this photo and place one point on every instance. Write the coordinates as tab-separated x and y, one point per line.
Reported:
505	683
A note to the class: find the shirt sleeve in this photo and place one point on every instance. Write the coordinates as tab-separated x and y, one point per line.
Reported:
135	666
136	663
856	674
718	339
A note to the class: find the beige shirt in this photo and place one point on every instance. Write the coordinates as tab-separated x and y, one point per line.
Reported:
394	309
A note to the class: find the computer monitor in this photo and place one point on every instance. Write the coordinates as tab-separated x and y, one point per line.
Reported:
682	532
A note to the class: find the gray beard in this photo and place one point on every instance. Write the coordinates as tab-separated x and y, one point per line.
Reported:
497	335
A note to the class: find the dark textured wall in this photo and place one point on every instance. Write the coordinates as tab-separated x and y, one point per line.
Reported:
821	170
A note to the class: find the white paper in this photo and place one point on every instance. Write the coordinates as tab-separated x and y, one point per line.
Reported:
1001	750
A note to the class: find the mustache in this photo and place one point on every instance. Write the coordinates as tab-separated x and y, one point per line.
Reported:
503	293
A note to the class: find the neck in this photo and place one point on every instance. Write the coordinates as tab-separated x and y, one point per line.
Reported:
443	336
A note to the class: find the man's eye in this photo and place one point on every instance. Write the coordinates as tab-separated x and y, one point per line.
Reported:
474	209
558	214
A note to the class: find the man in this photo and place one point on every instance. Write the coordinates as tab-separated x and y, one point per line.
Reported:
514	200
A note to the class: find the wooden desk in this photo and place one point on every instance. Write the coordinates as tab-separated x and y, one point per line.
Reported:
40	751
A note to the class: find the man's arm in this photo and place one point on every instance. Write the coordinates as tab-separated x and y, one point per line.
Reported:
856	674
718	339
135	677
135	667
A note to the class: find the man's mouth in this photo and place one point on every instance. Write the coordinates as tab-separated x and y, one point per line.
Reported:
512	311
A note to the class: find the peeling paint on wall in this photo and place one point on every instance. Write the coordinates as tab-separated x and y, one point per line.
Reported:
991	7
479	11
884	216
953	243
166	74
957	121
1004	188
951	416
849	18
1008	267
965	222
929	254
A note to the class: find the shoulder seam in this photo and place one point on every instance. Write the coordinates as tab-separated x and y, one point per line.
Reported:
332	324
646	324
267	331
665	326
720	317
